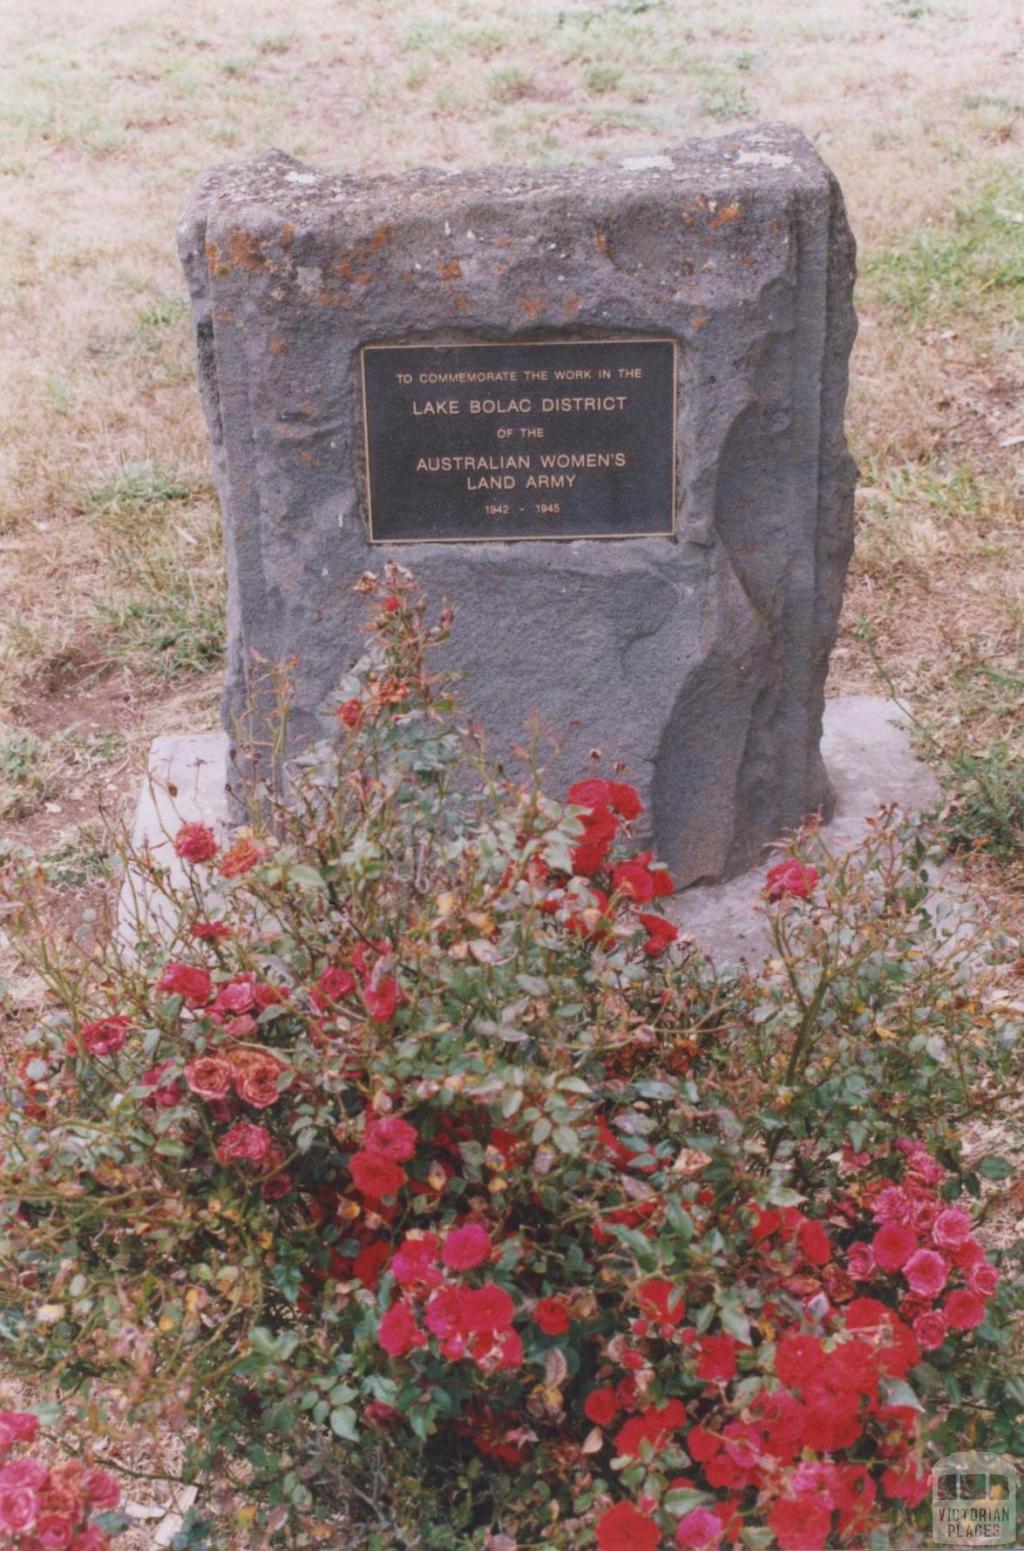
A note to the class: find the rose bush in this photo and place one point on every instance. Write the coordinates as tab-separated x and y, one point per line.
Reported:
437	1195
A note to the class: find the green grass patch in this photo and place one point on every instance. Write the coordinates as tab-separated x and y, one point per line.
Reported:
25	781
79	858
136	486
970	265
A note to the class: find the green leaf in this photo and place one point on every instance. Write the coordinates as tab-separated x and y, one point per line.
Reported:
736	1323
308	877
995	1167
682	1499
343	1423
899	1393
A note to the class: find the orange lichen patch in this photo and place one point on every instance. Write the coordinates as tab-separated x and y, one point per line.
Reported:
601	243
277	346
502	242
287	235
725	217
462	303
363	278
245	251
533	306
698	322
450	271
571	306
214	263
362	253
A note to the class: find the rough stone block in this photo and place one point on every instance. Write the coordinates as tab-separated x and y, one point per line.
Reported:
698	660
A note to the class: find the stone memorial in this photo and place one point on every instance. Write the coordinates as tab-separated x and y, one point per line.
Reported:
599	411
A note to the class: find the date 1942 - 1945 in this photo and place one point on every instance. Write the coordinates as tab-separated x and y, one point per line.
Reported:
502	508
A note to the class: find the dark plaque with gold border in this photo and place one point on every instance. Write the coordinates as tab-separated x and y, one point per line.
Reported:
566	439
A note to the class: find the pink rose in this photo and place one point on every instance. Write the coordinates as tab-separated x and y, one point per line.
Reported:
930	1329
53	1533
17	1427
22	1472
860	1262
791	877
952	1227
699	1529
195	843
258	1085
209	1076
466	1248
105	1036
236	996
102	1490
19	1508
892	1204
926	1272
982	1278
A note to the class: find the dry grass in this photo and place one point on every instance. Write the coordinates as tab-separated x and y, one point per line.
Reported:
109	109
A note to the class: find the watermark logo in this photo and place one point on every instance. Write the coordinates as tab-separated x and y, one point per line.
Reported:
974	1500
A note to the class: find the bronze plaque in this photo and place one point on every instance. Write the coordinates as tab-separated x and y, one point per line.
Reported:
552	439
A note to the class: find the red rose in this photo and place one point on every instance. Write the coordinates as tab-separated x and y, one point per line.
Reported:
485	1308
163	1094
104	1036
391	1136
800	1525
391	604
791	877
414	1263
383	998
661	1300
653	1426
798	1359
952	1228
375	1175
660	933
244	1143
240	858
964	1309
332	985
398	1332
637	880
930	1329
702	1445
591	850
551	1316
196	843
209	1076
601	1407
625	1528
606	794
466	1248
716	1358
370	1262
893	1246
926	1272
814	1242
102	1490
350	714
209	931
188	981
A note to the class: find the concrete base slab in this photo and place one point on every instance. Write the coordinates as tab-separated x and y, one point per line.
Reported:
186	782
868	754
866	747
